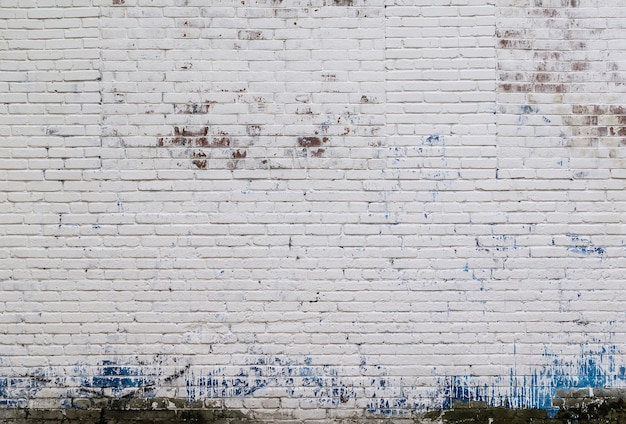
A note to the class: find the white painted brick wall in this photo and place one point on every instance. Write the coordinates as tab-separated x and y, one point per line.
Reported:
311	209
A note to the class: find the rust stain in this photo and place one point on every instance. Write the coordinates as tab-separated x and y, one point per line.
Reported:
317	153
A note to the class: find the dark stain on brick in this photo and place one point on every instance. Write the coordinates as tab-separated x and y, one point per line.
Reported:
516	88
187	137
547	55
580	66
186	132
329	77
118	2
304	111
365	99
509	33
253	130
550	88
617	110
619	131
515	44
193	108
546	13
544	77
343	2
237	154
250	35
317	153
574	3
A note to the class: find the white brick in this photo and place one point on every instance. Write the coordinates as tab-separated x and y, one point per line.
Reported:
329	206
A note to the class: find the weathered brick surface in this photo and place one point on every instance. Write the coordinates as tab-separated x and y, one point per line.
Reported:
310	209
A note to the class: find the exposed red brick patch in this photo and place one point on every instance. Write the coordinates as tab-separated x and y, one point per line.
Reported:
311	141
220	142
200	161
237	154
186	132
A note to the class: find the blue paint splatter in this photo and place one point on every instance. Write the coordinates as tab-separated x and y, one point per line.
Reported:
587	250
584	246
432	140
528	109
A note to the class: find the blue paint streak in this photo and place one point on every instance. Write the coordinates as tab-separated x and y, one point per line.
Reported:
592	369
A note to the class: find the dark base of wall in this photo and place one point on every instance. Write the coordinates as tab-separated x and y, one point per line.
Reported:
125	411
575	407
117	417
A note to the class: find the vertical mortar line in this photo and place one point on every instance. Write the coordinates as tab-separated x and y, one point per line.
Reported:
99	47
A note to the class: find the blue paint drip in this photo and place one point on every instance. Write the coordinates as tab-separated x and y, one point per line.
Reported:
587	250
15	391
592	369
297	379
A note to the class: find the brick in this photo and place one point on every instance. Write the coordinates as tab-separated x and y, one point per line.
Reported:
333	209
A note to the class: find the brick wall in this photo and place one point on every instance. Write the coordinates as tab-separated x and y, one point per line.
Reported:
311	209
